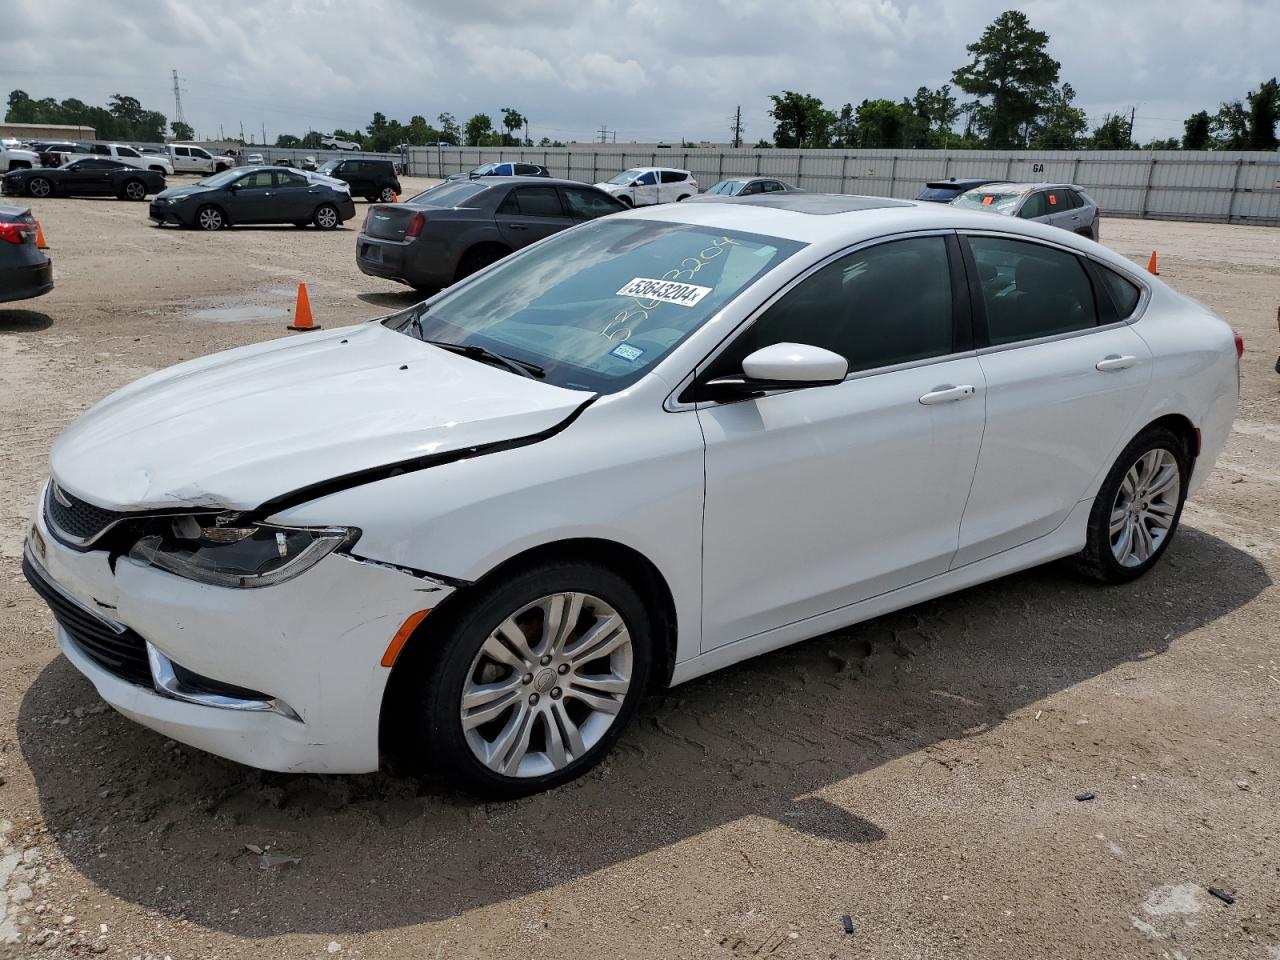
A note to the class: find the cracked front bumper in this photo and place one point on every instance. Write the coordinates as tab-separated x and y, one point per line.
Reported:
286	678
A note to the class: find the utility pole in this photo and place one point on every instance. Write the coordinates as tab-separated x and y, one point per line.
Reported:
604	134
264	134
736	129
1132	113
526	129
178	115
242	132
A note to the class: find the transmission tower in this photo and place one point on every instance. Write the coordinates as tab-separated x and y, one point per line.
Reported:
178	115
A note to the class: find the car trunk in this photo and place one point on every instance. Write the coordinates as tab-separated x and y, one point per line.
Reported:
389	221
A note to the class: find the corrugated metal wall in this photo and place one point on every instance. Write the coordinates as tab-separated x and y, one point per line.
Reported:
1211	185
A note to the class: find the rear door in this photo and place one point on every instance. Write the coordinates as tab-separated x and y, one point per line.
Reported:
529	214
1065	378
295	198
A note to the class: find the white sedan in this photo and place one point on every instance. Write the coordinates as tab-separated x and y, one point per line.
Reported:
640	450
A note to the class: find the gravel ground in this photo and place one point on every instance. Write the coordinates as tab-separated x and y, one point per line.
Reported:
918	773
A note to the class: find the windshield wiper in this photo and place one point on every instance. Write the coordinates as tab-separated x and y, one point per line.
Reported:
476	352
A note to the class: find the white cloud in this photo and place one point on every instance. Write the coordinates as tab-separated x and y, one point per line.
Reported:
651	69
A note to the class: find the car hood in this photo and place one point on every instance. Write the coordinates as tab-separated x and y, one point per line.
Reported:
237	429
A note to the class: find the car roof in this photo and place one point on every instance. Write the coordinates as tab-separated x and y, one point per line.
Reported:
672	169
533	182
1012	187
963	183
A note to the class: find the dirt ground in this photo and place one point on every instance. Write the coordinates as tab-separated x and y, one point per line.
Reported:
918	773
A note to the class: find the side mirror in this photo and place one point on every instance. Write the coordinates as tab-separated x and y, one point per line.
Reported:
233	187
784	366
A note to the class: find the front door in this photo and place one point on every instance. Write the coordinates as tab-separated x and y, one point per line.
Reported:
645	192
529	214
90	177
818	498
1062	392
253	200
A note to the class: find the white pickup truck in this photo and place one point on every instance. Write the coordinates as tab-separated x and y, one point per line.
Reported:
188	158
128	155
15	158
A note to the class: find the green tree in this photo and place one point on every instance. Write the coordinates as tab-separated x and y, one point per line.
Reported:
1061	125
1198	134
22	109
844	132
311	141
1165	143
1264	111
419	132
450	132
512	120
182	131
1113	133
1011	77
883	123
1230	126
936	113
479	129
800	120
288	140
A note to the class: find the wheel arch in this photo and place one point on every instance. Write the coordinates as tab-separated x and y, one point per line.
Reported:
1182	426
480	245
226	217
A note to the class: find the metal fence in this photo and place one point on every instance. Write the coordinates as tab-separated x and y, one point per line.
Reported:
276	154
1208	185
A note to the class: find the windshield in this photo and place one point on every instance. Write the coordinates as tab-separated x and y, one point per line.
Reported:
993	199
329	166
598	305
220	179
727	188
625	177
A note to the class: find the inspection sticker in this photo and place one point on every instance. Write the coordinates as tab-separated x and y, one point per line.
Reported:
666	291
625	351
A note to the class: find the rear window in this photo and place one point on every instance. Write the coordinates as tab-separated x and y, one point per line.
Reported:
993	200
450	194
939	194
674	176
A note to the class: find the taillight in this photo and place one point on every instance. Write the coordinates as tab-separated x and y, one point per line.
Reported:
17	232
1239	345
415	226
694	183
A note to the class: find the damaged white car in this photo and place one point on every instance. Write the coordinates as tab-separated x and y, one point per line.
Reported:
474	533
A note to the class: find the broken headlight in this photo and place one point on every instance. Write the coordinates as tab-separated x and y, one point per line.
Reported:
226	551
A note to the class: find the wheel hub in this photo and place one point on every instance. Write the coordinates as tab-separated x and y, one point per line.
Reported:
545	680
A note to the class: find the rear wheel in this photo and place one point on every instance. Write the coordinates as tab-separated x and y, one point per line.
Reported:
40	187
1136	511
210	218
386	195
478	258
326	217
533	682
134	190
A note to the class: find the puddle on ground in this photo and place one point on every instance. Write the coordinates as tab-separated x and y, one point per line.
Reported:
241	314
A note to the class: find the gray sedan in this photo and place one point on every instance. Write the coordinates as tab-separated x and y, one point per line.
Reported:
1060	204
452	230
750	186
260	195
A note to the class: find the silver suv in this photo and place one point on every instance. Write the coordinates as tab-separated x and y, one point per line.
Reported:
1061	204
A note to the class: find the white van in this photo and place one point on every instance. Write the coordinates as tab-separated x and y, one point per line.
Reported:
188	158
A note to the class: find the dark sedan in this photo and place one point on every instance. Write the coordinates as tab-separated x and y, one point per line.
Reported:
750	186
944	191
259	195
90	177
25	271
453	230
507	168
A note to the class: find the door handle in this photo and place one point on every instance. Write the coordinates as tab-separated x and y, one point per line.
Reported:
1116	362
517	226
948	394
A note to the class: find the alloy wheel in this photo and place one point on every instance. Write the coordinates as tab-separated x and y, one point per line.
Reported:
387	195
134	190
1145	507
546	685
40	187
210	219
326	218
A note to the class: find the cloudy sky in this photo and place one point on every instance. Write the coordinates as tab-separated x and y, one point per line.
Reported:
655	70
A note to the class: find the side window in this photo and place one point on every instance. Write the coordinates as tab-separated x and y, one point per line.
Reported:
292	180
255	180
588	204
99	148
126	152
526	170
1059	200
881	305
1072	199
647	179
749	189
181	151
536	202
771	186
1031	291
1122	293
202	154
1034	206
673	176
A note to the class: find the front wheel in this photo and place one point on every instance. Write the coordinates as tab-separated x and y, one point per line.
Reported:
533	682
326	217
134	190
210	218
1137	509
39	187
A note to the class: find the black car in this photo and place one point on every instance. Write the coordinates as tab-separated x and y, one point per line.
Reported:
254	195
375	180
25	271
944	191
90	177
454	229
506	169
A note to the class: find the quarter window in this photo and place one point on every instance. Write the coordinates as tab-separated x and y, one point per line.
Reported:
1124	293
878	306
588	204
1030	290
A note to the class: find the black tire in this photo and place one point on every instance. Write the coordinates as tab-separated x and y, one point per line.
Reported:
428	685
133	190
326	217
478	258
1098	559
211	218
40	187
385	195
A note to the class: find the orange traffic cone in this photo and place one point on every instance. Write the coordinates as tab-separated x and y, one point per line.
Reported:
302	319
40	244
395	198
1151	264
